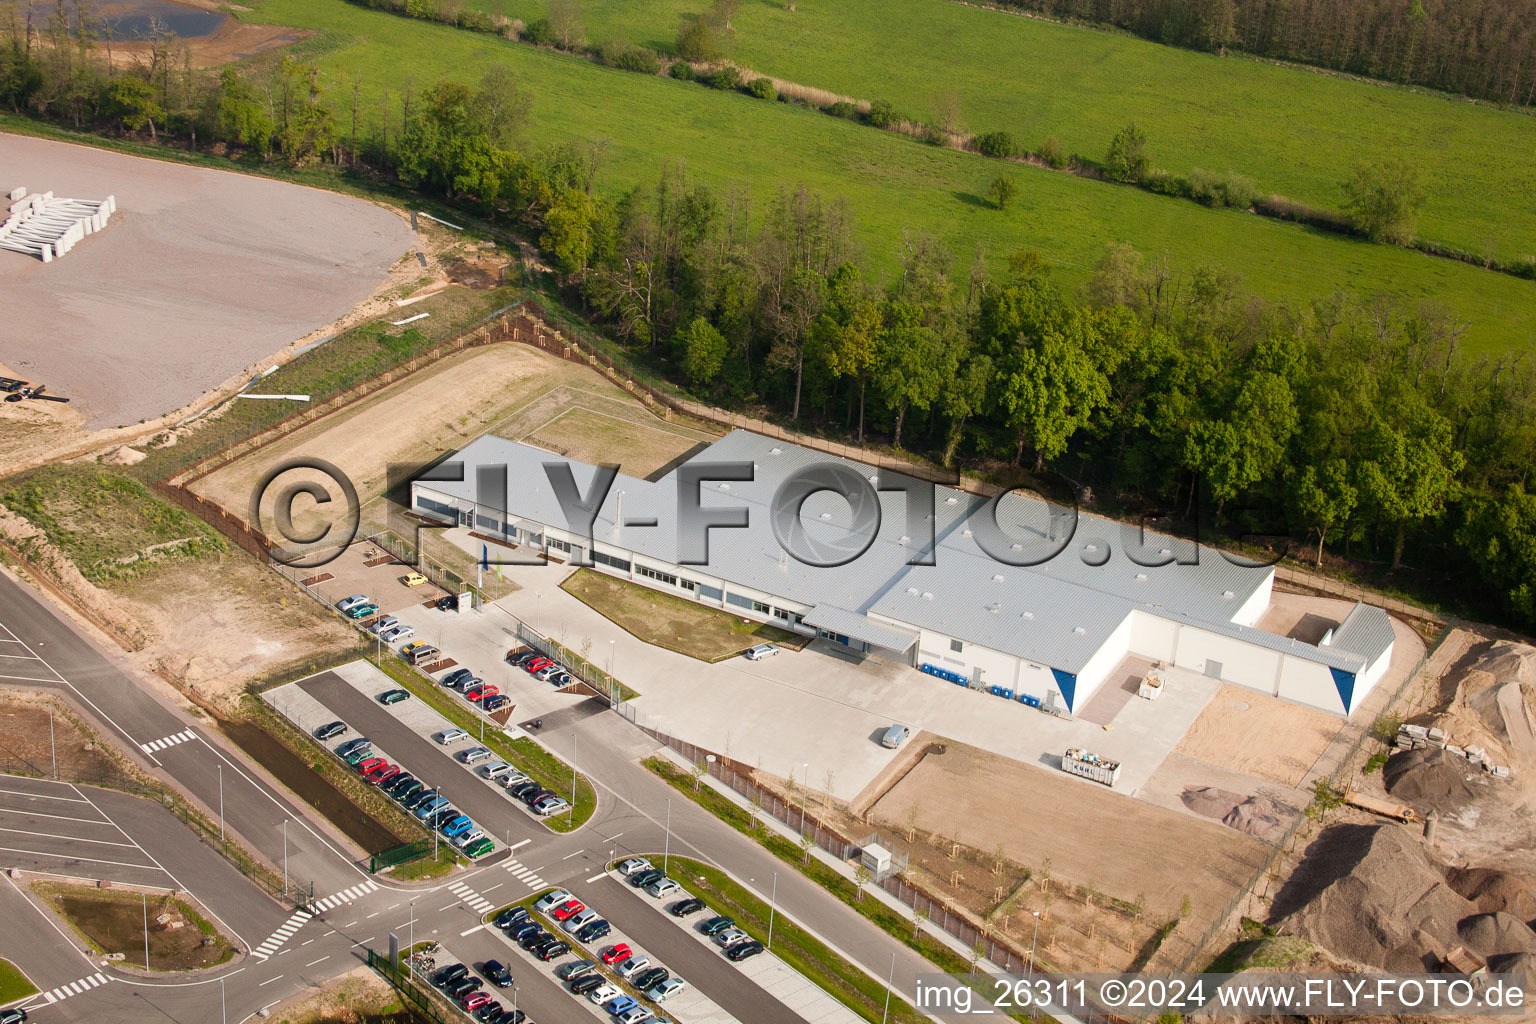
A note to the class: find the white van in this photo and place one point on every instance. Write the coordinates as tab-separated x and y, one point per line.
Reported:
894	736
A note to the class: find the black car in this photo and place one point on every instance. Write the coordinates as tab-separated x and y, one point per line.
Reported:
641	879
448	975
716	924
408	793
456	677
650	978
682	908
594	930
491	1013
326	732
520	931
462	986
522	657
424	797
514	1017
398	783
448	604
514	915
351	745
551	950
536	795
742	950
532	938
15	1016
496	973
524	787
586	983
444	816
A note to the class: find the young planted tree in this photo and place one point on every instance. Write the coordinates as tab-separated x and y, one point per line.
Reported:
1002	191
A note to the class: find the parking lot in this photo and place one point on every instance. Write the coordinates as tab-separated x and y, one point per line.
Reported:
56	828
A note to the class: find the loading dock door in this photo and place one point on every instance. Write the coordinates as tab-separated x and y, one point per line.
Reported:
1213	668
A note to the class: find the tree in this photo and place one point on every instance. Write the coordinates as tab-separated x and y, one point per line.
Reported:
913	365
709	35
1127	159
1500	536
964	397
1236	452
1324	498
848	333
569	231
1002	191
1407	474
501	106
565	23
239	115
1383	200
1053	386
996	144
131	101
702	351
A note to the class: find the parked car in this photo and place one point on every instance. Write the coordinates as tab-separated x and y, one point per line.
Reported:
362	611
551	805
433	807
517	658
586	983
513	779
593	931
413	579
330	730
357	755
444	816
536	663
636	1014
603	994
577	921
421	653
479	848
421	799
412	647
762	651
894	736
463	840
578	969
351	745
619	1003
548	671
496	702
448	604
481	691
496	973
15	1015
662	888
458	826
495	769
567	909
520	931
523	788
491	1013
346	604
634	965
397	633
550	900
454	989
511	916
535	938
640	879
613	954
448	975
394	696
474	1000
633	865
534	796
665	989
386	622
551	950
368	764
650	977
457	677
682	908
743	950
717	924
474	755
729	937
448	736
383	773
408	792
398	781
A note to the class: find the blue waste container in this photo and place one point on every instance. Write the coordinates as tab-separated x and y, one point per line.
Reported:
1006	694
997	691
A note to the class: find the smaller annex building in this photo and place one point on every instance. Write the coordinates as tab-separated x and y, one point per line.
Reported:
1017	596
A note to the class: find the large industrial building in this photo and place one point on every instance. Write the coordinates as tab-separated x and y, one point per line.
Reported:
1046	633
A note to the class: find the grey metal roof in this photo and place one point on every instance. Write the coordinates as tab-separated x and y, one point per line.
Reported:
1366	631
860	627
1057	613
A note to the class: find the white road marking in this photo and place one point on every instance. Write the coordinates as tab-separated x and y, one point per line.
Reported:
313	962
519	843
597	877
472	931
270	981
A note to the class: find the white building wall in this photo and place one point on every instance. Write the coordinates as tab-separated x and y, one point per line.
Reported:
1366	681
994	667
1257	604
1097	668
1308	682
1153	637
1240	662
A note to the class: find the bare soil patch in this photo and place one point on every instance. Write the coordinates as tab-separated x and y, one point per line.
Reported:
358	997
1078	835
594	435
1256	734
28	745
113	921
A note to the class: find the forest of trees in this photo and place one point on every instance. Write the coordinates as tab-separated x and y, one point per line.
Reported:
1482	48
1349	425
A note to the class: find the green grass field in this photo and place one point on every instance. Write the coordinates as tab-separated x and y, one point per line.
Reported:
14	985
1294	131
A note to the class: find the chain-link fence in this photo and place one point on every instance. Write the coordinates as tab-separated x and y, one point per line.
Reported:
404	984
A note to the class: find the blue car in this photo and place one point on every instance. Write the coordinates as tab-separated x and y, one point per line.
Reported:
618	1004
458	826
430	808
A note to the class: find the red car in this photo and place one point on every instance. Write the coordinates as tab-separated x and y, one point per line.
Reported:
474	1000
537	663
368	764
566	909
382	774
479	693
613	954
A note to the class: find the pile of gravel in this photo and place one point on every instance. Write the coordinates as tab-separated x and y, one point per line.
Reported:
1496	891
1429	779
1255	815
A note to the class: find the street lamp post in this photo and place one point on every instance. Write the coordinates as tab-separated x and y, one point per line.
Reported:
223	1005
805	786
538	604
285	856
1032	939
667	850
572	816
889	978
52	748
221	801
773	902
144	900
410	959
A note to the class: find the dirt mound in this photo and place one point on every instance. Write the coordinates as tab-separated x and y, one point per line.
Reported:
1495	934
1372	893
1210	802
1432	780
1492	704
1255	815
122	455
1514	963
1496	891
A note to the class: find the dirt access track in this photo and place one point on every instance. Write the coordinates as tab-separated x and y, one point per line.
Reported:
198	277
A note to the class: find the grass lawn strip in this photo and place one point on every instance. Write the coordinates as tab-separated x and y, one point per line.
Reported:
665	620
14	985
536	762
112	921
423	868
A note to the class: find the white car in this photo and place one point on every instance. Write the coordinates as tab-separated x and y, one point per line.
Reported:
448	736
634	965
662	888
634	1015
555	806
385	622
468	837
579	920
603	993
633	866
400	632
762	651
346	604
496	769
730	937
513	778
552	901
666	990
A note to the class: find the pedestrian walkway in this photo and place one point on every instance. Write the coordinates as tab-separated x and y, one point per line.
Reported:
74	988
276	940
478	903
169	741
344	897
524	874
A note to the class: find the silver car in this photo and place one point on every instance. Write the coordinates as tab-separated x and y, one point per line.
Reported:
384	624
399	632
474	755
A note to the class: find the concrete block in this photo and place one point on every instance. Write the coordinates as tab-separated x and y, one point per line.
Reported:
19	192
47	253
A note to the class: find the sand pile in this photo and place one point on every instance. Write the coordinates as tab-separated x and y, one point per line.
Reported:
1255	815
1496	891
1372	893
1515	963
1432	780
1496	935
